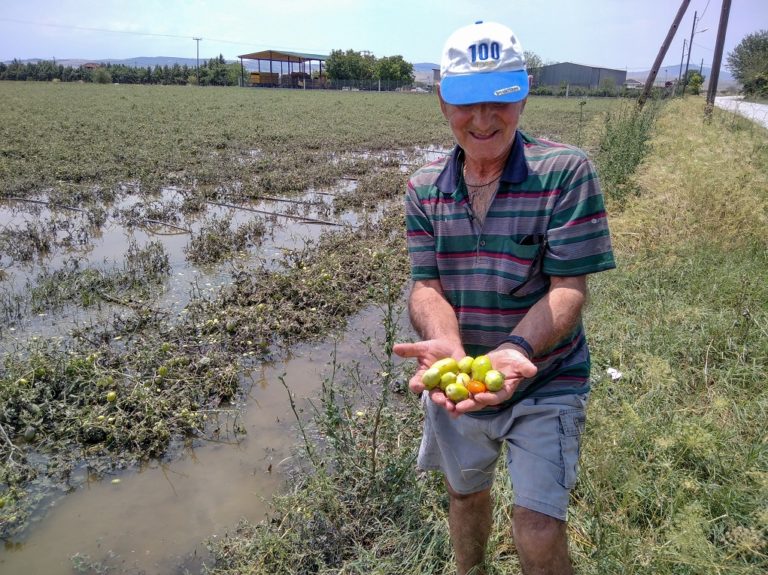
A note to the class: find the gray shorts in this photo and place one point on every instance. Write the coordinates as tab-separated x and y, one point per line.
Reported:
543	438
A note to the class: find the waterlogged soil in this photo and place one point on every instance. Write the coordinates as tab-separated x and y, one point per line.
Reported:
156	519
139	335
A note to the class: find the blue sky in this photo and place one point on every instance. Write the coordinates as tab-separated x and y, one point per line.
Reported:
624	34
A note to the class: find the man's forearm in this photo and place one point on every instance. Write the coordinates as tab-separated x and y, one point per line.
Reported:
432	316
554	316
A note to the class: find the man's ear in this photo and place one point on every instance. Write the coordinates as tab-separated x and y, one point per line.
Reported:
440	98
530	85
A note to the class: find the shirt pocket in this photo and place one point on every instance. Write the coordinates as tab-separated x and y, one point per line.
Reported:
521	266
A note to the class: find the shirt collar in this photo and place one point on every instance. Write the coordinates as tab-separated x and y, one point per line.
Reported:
515	170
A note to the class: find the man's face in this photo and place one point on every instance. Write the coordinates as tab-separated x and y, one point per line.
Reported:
485	131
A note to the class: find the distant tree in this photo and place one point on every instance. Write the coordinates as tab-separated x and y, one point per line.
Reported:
749	63
534	64
350	65
394	69
607	86
157	75
693	82
101	76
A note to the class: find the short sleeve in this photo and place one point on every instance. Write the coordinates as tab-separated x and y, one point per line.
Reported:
578	237
421	237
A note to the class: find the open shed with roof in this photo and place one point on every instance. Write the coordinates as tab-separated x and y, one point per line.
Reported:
278	68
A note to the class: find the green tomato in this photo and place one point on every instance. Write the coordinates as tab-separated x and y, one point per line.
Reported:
446	364
494	380
447	379
456	392
480	367
431	378
112	396
465	364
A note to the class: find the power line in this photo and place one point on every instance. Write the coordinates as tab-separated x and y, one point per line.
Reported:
90	29
155	34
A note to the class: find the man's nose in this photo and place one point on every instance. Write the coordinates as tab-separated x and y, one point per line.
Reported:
483	115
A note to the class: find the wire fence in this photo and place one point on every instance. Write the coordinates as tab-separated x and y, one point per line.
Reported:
302	83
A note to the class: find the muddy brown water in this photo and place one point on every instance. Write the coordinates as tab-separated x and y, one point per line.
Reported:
155	520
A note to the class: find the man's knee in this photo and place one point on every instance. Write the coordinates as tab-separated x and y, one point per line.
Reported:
533	530
462	497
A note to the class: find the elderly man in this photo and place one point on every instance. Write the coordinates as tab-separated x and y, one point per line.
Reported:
502	234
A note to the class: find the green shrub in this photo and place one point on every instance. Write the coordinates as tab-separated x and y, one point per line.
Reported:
623	145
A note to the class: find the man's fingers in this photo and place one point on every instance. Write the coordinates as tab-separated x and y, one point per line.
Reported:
415	385
409	349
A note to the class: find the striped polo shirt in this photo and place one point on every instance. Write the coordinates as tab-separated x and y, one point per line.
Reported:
547	219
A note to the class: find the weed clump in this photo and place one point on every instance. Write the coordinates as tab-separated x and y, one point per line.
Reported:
144	271
216	241
623	145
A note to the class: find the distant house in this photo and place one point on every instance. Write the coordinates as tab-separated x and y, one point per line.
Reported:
91	65
632	84
579	75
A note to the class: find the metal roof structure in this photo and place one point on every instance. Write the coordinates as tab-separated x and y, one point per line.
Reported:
296	77
283	56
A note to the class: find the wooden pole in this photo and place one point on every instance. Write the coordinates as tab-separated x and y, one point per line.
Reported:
662	52
690	47
714	75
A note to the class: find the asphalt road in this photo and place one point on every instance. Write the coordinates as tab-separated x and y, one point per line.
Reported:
756	112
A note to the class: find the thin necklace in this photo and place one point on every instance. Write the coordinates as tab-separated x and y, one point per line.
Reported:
488	183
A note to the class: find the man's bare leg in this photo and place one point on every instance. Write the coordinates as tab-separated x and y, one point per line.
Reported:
469	517
542	543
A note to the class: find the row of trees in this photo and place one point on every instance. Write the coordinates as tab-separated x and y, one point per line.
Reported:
349	65
352	65
213	72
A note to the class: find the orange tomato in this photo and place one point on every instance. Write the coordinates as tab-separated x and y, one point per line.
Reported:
476	386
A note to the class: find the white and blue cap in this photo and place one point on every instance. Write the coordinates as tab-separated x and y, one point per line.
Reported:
483	62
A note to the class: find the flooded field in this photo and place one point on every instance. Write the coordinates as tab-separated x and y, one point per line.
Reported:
155	517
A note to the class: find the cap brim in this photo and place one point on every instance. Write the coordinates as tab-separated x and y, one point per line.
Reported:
502	87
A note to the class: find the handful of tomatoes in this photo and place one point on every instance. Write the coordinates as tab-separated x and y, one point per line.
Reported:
464	378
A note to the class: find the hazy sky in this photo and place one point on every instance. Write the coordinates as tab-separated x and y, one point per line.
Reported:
624	34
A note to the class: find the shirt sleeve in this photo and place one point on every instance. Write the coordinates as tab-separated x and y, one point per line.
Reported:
578	238
421	236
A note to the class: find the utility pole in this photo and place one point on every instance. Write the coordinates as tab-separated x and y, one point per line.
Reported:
662	52
688	61
198	59
680	69
718	57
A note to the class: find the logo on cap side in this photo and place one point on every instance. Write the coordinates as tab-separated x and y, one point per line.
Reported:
504	91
